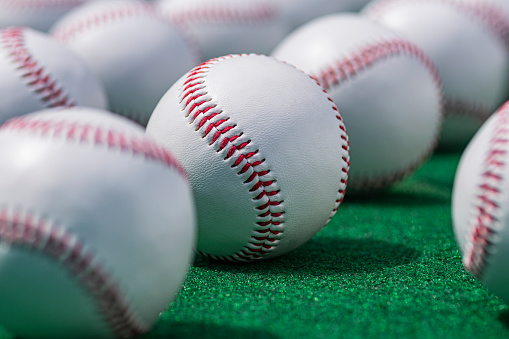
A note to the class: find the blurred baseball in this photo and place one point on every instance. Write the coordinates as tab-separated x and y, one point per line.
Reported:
467	41
38	72
135	53
387	90
221	27
299	12
479	200
97	226
266	151
36	14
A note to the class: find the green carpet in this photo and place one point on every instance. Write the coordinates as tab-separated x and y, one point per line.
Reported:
387	266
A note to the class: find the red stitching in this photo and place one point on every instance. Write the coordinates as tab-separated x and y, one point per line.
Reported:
489	15
111	139
33	233
367	56
270	227
12	40
68	31
217	13
38	4
485	221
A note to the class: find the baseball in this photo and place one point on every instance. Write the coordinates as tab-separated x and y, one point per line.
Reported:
479	199
266	151
38	72
97	226
467	41
36	14
221	27
388	91
299	12
136	54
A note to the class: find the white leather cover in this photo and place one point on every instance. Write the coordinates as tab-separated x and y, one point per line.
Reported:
278	127
136	54
20	93
132	213
479	204
221	27
391	104
465	41
36	14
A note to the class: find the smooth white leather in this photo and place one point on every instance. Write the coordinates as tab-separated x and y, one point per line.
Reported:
291	124
136	216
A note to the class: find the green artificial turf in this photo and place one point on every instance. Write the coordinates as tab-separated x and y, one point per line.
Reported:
387	266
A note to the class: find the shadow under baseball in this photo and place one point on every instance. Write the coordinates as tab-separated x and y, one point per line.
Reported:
192	330
325	256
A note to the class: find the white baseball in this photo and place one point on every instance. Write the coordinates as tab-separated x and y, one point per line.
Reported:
479	202
36	14
265	149
386	89
97	226
467	41
135	53
38	72
221	27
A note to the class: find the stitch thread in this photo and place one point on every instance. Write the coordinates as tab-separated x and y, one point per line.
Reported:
224	14
485	222
33	233
69	31
347	68
488	15
86	133
212	124
42	83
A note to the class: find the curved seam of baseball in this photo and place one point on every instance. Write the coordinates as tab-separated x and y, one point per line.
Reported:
346	147
367	56
269	208
131	10
223	14
485	222
85	133
34	4
33	233
489	16
44	87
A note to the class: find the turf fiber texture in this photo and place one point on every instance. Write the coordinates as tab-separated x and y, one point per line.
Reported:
387	266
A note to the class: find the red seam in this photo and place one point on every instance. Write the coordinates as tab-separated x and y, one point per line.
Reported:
489	14
35	234
492	177
43	85
223	14
68	31
262	243
98	136
347	68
